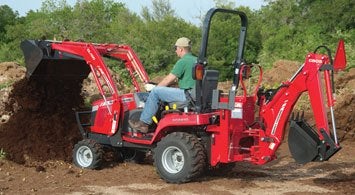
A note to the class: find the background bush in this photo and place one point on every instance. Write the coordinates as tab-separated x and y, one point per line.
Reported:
298	27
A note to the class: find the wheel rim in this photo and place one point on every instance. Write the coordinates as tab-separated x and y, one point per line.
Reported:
173	159
84	156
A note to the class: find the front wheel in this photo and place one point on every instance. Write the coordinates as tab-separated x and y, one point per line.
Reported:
179	157
88	154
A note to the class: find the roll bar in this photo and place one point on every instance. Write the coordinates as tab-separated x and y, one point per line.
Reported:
202	58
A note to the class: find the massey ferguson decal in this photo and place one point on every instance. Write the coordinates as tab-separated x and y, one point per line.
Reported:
278	117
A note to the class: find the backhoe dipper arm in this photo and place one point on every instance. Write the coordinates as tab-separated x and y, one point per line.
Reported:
276	113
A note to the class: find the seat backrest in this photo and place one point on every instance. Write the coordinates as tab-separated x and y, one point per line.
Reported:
209	83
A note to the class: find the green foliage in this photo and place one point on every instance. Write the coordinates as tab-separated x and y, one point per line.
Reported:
161	9
6	84
154	36
8	47
284	29
10	52
301	25
2	154
224	37
223	41
7	17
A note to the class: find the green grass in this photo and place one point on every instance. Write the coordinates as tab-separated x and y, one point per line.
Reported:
6	84
2	154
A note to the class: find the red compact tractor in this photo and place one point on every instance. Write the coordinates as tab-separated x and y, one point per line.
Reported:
215	129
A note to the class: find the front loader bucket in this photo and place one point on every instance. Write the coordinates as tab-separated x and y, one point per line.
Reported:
303	142
44	62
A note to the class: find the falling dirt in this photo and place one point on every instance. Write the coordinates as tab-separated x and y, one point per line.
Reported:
43	123
38	131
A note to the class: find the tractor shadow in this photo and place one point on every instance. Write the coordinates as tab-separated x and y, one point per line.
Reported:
285	169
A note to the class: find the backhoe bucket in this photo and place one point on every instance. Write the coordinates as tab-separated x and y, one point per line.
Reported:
305	145
303	142
43	62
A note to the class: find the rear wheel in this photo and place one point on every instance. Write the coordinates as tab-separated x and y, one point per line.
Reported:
88	154
179	157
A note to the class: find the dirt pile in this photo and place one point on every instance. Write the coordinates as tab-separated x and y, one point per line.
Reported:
345	104
9	73
281	70
42	125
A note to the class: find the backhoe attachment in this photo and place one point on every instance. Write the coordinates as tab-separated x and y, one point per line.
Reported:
305	143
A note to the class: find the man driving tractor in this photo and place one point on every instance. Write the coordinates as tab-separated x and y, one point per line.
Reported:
182	71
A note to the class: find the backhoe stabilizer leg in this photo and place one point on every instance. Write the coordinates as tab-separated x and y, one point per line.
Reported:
328	147
305	145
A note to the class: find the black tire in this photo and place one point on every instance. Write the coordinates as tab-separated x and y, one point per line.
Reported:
133	155
88	154
179	157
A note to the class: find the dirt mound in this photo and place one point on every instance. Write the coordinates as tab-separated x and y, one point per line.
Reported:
38	116
345	117
281	70
42	125
10	72
345	104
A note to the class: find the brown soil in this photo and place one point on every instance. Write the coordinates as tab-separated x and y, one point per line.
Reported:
43	121
38	131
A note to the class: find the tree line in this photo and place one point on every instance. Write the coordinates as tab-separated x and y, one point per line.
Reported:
282	29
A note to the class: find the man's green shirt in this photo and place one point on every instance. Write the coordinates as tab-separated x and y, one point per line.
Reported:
183	71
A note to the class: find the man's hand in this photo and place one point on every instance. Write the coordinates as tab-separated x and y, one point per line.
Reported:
148	86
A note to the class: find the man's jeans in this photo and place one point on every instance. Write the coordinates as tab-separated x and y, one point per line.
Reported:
164	94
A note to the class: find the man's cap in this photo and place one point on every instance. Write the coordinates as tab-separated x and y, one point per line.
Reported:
183	42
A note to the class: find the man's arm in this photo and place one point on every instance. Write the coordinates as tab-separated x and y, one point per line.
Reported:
170	78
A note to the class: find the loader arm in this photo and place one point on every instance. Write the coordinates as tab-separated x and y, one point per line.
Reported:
132	63
92	57
63	58
308	144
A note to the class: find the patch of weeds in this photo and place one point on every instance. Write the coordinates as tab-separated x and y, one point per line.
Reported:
6	84
2	154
